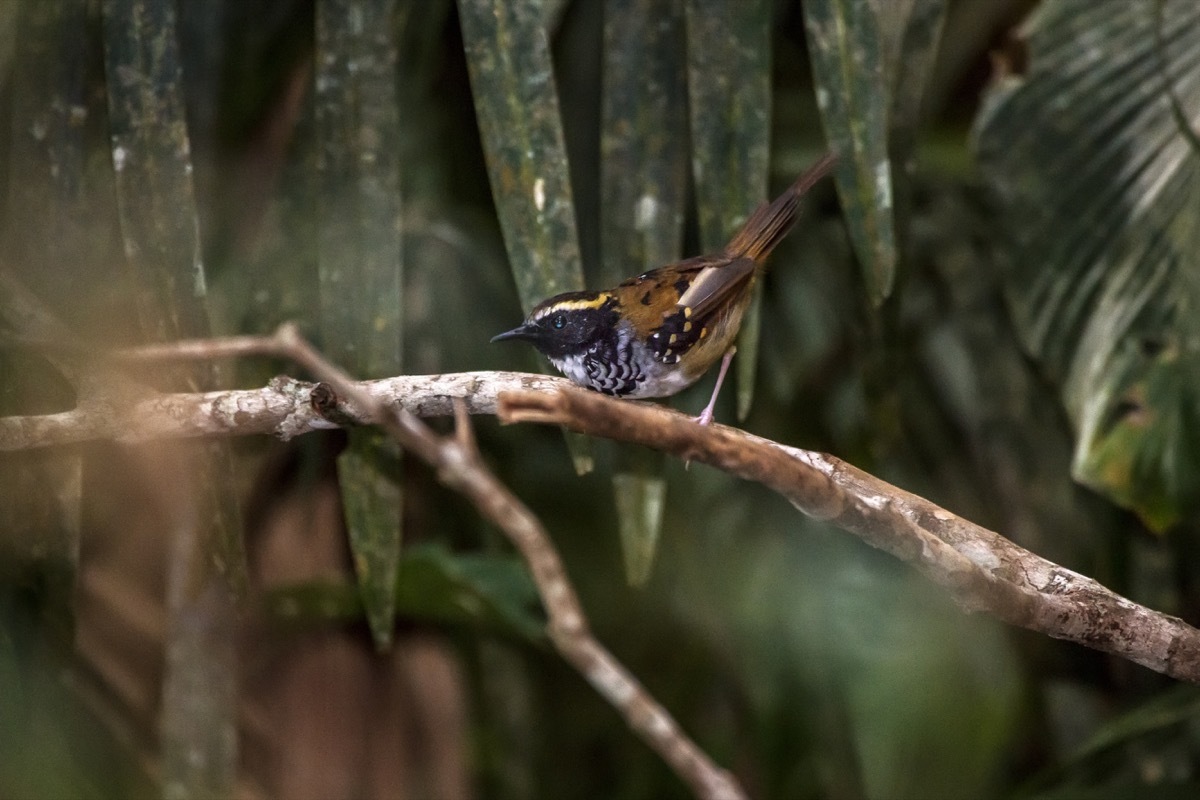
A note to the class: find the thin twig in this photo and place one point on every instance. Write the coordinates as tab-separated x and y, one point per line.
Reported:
286	408
459	466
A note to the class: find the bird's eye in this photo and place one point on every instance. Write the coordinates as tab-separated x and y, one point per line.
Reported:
559	321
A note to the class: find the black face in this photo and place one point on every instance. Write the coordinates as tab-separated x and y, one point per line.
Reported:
568	324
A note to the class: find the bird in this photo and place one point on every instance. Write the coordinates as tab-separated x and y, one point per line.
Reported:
656	334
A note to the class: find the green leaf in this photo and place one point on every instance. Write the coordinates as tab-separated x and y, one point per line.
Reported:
1116	746
487	592
643	143
643	177
846	46
361	267
359	203
151	155
1176	706
910	31
372	501
516	105
1094	166
747	354
641	501
729	87
582	451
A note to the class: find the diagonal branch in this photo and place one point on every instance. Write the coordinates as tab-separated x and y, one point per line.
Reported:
460	467
981	569
287	407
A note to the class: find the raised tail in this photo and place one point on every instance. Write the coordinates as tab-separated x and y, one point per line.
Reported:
771	221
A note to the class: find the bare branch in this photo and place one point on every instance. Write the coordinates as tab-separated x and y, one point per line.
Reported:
283	408
287	407
981	569
459	466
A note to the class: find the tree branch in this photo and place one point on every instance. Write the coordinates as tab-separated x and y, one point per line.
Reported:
460	467
982	570
282	408
287	408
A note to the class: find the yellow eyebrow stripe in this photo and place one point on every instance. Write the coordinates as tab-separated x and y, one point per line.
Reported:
573	305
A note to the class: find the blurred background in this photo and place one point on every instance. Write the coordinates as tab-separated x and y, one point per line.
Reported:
1003	323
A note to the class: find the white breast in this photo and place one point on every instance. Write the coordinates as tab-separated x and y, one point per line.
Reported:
572	367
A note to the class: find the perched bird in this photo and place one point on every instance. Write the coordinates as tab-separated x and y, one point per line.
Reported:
656	334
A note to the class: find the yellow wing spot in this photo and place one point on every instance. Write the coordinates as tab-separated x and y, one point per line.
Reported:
687	326
703	332
672	339
687	313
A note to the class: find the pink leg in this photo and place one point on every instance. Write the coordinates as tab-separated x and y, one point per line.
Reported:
706	416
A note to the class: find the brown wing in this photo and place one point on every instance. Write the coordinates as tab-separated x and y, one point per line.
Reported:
705	292
652	295
715	284
685	302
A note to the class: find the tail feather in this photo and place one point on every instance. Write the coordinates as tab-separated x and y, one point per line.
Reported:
771	221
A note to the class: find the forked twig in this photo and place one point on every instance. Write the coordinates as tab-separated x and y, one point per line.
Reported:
459	466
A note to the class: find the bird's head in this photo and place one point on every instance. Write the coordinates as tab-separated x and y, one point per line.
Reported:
567	324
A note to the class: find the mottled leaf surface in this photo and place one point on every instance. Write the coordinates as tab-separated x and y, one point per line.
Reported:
909	33
516	105
643	176
360	266
151	156
847	48
512	80
729	87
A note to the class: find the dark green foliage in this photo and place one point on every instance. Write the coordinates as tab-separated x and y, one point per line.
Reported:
360	264
643	179
1094	160
991	341
487	593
